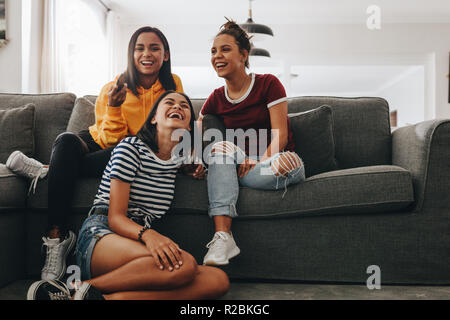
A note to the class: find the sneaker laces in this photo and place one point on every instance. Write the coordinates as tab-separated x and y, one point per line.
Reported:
218	242
63	294
51	261
33	184
32	169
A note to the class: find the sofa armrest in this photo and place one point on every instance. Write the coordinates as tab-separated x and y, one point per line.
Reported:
424	150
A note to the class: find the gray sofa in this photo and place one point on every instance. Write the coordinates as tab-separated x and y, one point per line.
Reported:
385	204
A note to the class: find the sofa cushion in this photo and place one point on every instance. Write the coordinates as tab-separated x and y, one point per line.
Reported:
17	131
374	189
361	128
83	115
313	138
91	98
51	116
13	190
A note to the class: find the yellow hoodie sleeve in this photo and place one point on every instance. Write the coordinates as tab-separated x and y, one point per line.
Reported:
110	126
178	83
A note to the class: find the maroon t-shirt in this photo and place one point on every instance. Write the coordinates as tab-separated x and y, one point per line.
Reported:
251	111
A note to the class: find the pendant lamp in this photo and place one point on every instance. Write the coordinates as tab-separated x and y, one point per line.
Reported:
257	31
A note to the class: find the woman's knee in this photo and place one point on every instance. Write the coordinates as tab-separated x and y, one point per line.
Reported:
187	271
67	141
286	163
222	283
218	283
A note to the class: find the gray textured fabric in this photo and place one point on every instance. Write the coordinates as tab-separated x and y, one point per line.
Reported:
197	104
91	98
85	191
51	116
313	137
361	128
83	116
337	248
368	189
12	246
412	148
17	131
13	190
374	189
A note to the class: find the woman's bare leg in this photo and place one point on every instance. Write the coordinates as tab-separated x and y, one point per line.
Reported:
122	264
209	283
222	223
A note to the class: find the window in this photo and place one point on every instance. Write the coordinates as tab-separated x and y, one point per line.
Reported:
83	47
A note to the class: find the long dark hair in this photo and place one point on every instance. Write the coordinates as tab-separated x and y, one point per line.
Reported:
148	132
231	28
130	76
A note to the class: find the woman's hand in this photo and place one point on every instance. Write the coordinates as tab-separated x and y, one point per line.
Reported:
167	254
116	95
197	171
246	166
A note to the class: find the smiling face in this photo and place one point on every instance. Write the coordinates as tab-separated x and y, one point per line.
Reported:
149	54
173	112
226	58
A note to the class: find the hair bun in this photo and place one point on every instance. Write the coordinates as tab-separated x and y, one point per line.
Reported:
232	25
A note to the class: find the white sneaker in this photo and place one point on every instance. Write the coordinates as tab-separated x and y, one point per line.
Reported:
30	168
55	261
221	248
48	290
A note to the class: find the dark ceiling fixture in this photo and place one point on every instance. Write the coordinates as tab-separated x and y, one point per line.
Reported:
255	30
259	52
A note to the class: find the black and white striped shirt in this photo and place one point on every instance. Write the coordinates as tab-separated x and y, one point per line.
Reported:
152	180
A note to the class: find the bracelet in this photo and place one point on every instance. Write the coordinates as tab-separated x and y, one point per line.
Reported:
141	234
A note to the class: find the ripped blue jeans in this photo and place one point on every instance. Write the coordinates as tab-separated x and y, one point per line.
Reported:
275	173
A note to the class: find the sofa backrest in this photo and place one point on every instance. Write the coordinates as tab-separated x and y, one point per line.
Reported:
52	113
361	127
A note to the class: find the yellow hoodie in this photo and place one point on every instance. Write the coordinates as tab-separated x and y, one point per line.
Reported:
112	124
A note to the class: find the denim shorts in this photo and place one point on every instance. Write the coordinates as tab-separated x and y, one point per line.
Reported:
93	229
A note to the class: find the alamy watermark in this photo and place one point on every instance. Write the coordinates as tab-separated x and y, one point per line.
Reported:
374	280
374	20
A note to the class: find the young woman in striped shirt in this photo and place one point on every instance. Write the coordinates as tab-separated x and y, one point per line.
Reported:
120	255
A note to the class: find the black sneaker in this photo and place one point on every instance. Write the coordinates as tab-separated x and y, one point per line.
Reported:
88	292
48	290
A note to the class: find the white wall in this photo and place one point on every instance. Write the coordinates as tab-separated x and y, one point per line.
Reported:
303	44
10	55
409	106
340	44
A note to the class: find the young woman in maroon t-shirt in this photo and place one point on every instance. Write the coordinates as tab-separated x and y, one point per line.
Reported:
257	105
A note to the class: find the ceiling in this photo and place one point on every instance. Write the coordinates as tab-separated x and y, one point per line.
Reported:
331	79
280	11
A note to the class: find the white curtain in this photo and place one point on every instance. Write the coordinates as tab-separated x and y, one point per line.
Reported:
113	43
73	47
52	66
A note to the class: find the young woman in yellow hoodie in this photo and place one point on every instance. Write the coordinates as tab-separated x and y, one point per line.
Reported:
121	109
